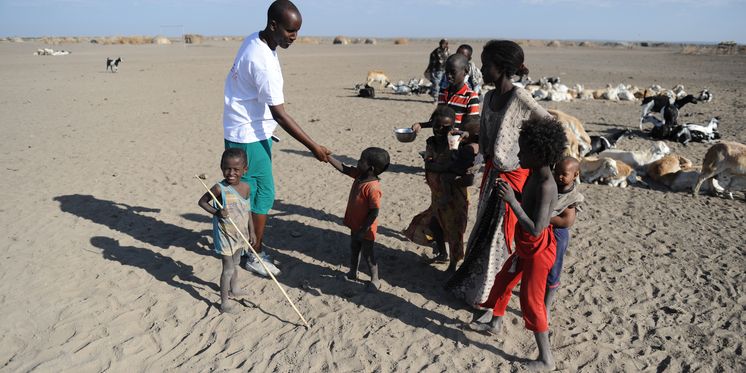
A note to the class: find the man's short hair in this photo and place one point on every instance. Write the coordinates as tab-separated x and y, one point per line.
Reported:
278	8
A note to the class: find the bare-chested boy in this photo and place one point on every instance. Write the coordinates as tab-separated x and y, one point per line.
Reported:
541	142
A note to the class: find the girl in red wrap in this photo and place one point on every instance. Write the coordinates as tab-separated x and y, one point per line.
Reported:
504	109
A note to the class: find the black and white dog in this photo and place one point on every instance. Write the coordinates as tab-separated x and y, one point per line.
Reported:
113	65
601	143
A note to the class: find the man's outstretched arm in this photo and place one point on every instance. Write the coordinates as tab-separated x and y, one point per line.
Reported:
291	126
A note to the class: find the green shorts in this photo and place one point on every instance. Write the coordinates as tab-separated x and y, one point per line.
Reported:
259	175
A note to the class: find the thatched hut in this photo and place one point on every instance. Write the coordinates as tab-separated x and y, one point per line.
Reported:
341	40
161	40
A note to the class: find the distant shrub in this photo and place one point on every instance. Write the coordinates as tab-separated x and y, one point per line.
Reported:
308	40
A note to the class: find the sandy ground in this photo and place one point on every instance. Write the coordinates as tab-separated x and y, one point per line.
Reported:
106	255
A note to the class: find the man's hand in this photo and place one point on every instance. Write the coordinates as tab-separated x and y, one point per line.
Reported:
252	238
504	190
321	153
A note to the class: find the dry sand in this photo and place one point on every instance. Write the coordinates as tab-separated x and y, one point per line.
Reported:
107	262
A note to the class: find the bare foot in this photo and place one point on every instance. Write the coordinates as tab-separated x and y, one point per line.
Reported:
227	308
373	286
485	318
492	327
540	366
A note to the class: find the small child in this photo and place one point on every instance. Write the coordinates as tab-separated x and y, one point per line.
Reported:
563	217
234	196
541	142
449	173
363	204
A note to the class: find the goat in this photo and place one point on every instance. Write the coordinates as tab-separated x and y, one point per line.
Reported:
697	133
578	141
366	91
416	86
727	161
670	171
704	96
667	105
601	143
113	65
379	77
624	176
638	159
593	169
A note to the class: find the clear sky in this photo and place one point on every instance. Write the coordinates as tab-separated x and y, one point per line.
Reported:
633	20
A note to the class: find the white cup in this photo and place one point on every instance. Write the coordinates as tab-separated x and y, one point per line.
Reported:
453	141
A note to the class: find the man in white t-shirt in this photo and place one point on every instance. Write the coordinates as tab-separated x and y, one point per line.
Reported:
253	109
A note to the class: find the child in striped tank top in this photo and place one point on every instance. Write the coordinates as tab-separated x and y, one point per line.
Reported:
234	196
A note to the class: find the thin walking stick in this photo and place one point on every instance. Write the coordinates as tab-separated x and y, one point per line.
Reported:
255	253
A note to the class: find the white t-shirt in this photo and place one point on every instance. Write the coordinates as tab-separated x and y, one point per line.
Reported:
253	84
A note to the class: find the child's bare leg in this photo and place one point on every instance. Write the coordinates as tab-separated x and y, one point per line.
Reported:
225	282
367	247
545	360
235	290
456	248
549	296
354	258
440	244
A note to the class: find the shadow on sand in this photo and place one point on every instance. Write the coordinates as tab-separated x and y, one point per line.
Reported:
397	268
161	267
132	221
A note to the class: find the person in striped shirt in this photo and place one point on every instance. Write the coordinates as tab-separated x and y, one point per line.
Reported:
457	95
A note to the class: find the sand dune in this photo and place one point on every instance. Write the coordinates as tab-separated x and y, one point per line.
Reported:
107	262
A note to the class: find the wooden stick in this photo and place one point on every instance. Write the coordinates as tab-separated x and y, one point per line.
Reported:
255	253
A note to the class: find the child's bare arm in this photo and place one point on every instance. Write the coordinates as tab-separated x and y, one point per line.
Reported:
343	168
541	211
564	220
204	202
372	216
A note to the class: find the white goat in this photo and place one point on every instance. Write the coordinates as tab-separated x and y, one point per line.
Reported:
638	159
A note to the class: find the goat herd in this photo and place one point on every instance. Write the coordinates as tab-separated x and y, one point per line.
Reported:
723	169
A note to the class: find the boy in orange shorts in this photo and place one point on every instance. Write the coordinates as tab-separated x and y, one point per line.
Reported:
541	142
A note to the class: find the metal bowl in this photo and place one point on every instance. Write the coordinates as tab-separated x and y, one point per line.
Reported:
405	134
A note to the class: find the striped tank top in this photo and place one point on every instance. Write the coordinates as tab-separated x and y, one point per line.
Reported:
224	235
